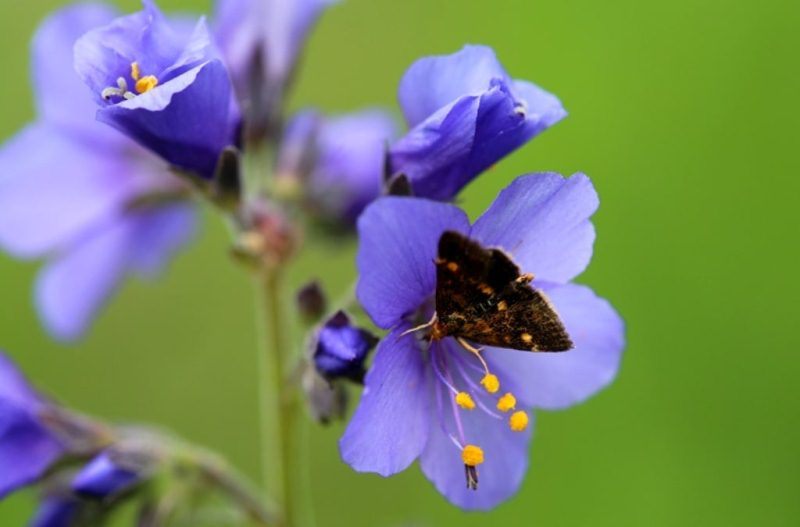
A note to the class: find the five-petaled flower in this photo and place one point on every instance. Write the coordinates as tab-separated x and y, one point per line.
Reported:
457	412
465	114
79	193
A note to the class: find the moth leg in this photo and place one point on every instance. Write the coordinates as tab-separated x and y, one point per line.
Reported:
426	325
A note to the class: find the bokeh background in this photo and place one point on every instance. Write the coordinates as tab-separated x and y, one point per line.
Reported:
684	112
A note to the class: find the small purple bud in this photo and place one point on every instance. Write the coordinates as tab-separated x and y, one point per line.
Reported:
342	348
311	301
55	511
104	476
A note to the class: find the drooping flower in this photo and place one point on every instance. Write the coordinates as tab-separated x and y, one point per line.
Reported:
81	194
465	416
28	448
338	162
465	114
162	85
261	41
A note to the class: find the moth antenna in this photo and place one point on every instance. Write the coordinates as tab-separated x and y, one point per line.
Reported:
426	325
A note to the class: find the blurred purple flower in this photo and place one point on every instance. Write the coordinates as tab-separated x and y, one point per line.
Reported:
262	39
342	348
411	407
56	511
339	160
81	194
161	84
104	477
465	114
27	447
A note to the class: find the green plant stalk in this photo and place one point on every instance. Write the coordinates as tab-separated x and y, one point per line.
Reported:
279	404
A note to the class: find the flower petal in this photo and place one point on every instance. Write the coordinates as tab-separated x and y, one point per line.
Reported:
280	26
505	451
433	153
559	380
63	100
432	83
542	220
26	449
398	244
186	121
56	511
73	288
14	387
390	426
52	188
349	171
542	108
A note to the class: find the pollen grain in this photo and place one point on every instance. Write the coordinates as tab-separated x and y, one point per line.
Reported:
518	421
464	400
507	402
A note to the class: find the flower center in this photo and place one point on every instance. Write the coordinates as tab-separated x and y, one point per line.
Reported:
141	84
470	385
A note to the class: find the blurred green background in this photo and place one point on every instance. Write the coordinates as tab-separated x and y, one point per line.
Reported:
685	113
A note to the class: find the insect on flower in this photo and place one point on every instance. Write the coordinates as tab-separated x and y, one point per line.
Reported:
431	394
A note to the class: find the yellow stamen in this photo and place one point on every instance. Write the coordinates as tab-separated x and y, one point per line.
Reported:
472	455
145	84
491	383
464	400
518	421
507	402
136	73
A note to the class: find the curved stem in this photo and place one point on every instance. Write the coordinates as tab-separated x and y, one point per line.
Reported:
218	474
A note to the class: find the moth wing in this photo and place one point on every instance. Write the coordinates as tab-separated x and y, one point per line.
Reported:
522	319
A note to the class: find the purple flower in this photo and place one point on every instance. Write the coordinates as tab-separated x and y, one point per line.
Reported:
340	160
437	402
27	447
161	84
261	40
341	348
81	194
465	114
56	511
103	477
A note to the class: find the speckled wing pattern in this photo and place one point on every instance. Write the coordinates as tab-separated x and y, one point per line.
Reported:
482	297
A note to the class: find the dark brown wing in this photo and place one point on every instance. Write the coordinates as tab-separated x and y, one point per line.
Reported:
481	296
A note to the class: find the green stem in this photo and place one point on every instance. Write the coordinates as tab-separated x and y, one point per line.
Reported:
230	484
278	401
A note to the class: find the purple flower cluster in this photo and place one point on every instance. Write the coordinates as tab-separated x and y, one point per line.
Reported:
36	435
139	114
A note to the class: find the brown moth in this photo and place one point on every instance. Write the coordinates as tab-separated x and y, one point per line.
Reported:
482	297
